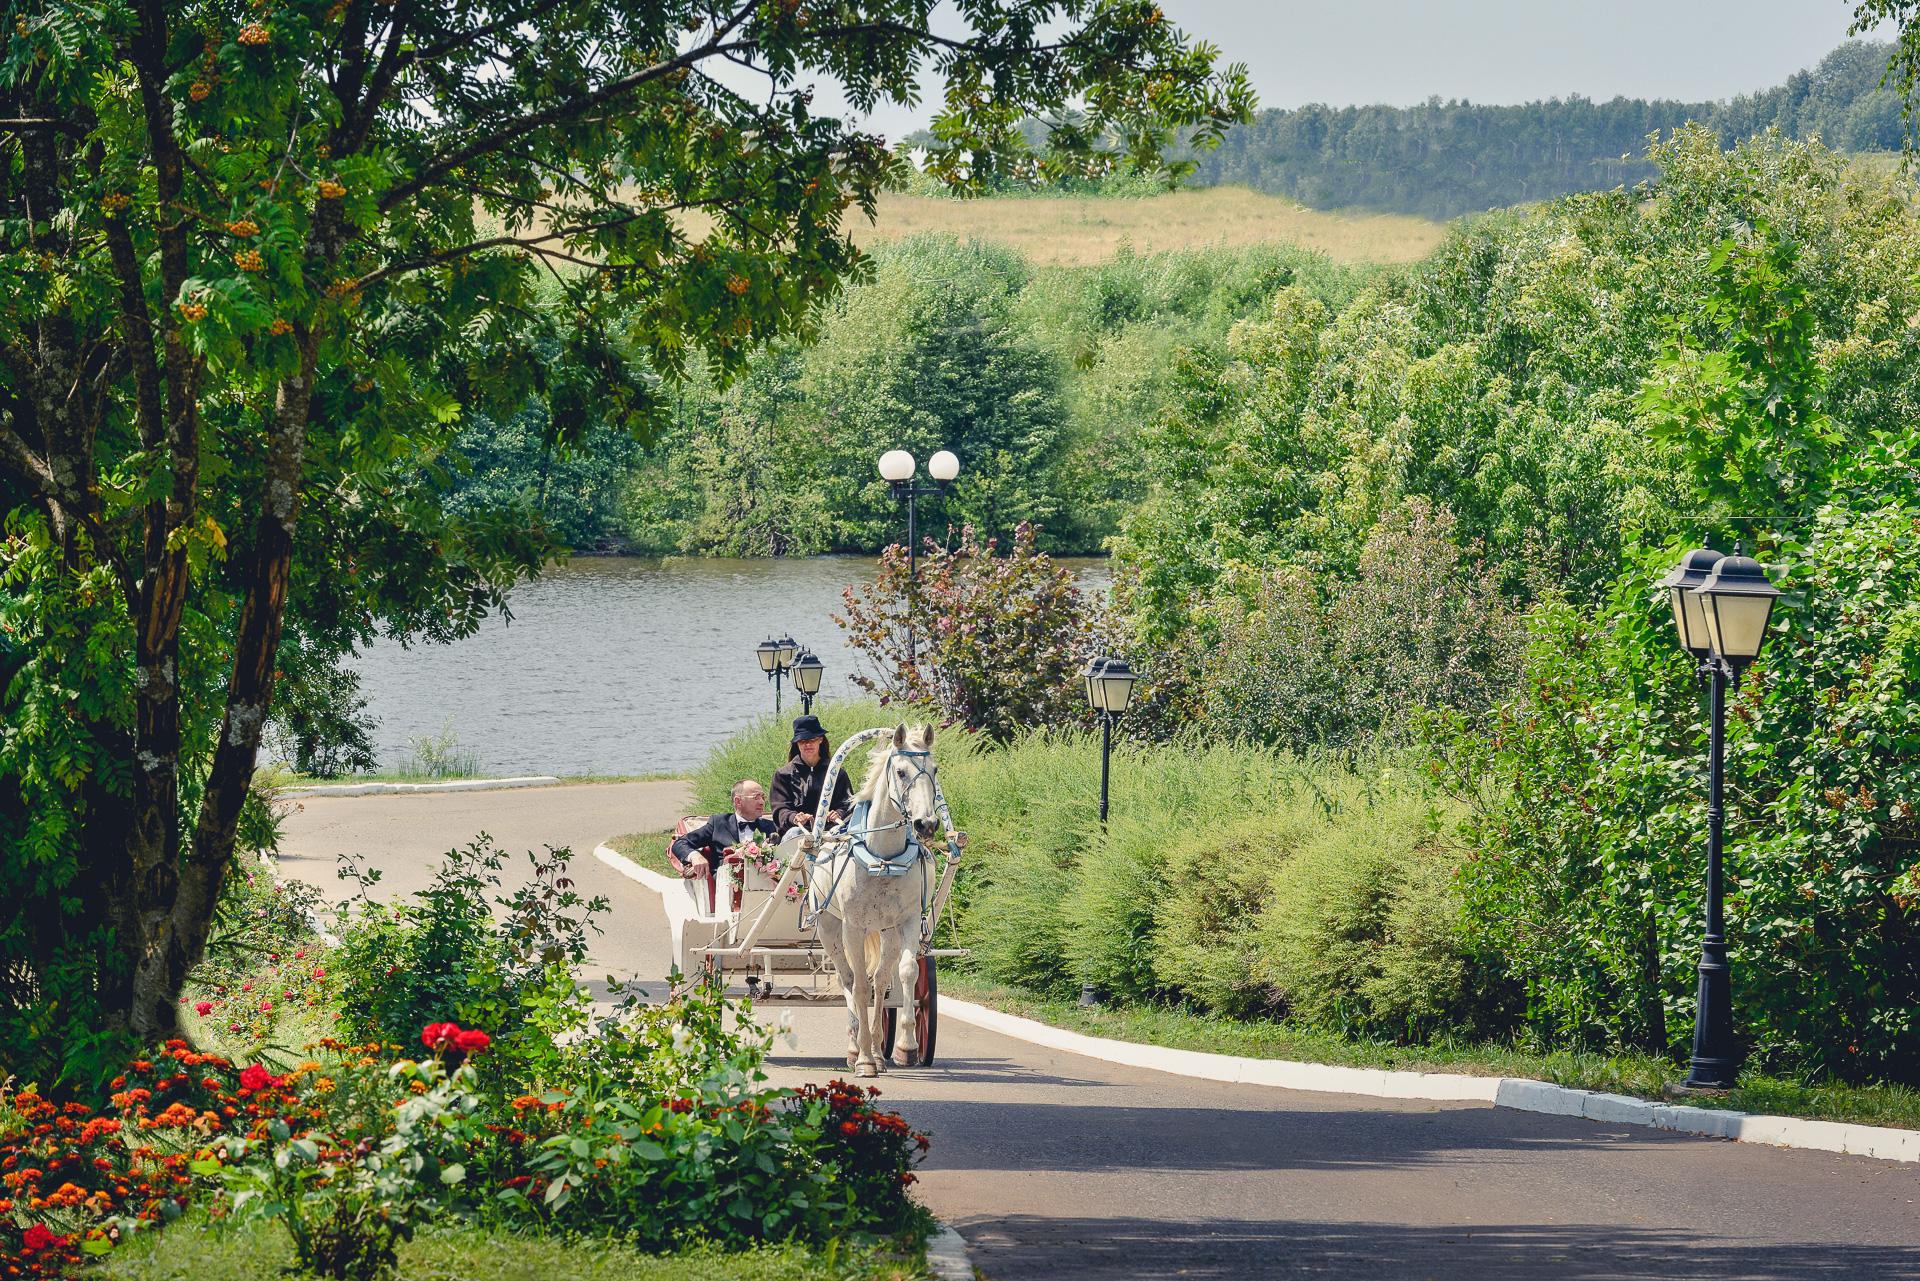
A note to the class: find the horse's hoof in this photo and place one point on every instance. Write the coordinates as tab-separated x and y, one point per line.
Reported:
866	1069
905	1058
851	1057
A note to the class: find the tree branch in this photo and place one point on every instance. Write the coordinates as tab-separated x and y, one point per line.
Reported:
566	110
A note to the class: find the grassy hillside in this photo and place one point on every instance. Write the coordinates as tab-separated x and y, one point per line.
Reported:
1082	230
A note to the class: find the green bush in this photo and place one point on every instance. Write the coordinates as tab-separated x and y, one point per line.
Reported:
1014	922
1219	877
1108	907
444	955
1309	661
1361	929
1590	817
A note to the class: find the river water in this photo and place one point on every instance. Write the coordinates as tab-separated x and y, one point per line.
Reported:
619	665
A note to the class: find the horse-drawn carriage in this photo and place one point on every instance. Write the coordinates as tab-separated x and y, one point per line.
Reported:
782	924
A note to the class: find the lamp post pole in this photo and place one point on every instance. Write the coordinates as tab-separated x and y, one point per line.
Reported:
1715	1063
897	468
1106	753
1109	689
1721	606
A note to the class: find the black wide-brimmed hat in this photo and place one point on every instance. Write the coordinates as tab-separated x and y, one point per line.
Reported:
806	727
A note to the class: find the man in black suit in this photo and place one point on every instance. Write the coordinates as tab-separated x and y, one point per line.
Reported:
699	850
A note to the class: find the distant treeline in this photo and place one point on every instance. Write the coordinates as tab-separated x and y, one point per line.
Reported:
1442	159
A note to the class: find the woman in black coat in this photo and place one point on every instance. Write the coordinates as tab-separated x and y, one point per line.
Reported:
797	784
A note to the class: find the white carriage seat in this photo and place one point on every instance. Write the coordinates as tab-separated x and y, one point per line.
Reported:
783	926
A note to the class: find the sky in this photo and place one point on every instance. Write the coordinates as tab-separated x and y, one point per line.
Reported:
1350	52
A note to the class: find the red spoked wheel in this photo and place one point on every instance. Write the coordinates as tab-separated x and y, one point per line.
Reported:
926	995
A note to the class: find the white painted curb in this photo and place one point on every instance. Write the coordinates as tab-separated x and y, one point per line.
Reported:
1519	1093
947	1255
393	789
1377	1082
666	885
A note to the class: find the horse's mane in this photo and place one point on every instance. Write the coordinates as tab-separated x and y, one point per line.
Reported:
877	757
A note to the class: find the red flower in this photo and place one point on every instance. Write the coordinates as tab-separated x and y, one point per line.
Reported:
202	1008
472	1041
439	1036
258	1078
40	1237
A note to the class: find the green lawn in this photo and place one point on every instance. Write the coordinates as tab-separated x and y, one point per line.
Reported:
1640	1075
648	849
190	1251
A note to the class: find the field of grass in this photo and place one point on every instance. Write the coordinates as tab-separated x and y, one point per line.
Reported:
194	1252
1072	231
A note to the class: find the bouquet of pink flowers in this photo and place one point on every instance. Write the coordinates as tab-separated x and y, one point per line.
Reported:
765	860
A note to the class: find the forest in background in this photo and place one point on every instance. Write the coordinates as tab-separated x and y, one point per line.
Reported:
1395	572
1445	158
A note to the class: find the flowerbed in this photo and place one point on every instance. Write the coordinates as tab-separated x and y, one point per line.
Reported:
654	1125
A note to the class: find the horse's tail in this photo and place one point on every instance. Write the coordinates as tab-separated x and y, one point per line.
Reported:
873	955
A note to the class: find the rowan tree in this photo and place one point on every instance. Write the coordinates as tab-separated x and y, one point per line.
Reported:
261	258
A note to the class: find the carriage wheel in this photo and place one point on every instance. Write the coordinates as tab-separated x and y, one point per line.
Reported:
926	996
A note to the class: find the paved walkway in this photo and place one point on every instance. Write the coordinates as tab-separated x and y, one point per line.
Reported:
1052	1165
404	836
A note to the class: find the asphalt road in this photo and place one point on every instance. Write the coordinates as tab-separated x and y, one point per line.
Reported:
1056	1166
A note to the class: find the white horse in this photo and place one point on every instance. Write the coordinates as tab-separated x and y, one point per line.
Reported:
869	921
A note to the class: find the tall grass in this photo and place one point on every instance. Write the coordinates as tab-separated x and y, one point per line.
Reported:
1236	879
1075	231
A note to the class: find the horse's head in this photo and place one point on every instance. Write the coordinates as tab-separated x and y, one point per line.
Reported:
907	778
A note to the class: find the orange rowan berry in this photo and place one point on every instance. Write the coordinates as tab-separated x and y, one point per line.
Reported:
253	34
330	190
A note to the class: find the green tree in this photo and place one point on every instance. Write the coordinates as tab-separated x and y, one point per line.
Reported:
259	263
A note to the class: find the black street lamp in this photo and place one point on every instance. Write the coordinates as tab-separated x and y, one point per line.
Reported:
896	468
807	673
1721	606
1109	690
776	660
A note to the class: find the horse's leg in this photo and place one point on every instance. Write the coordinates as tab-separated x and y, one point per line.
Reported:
906	1036
832	936
885	960
861	999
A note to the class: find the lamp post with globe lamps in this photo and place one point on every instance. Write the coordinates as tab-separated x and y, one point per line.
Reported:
896	468
1721	606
